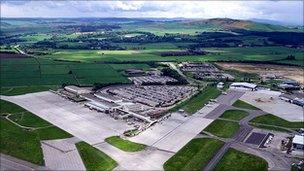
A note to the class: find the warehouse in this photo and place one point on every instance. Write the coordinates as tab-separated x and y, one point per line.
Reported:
108	97
76	90
298	142
243	86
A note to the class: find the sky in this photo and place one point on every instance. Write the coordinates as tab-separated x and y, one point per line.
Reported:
290	12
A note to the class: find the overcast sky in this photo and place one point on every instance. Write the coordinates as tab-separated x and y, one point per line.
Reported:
284	11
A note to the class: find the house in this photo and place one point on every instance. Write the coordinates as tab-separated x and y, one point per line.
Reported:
243	86
298	142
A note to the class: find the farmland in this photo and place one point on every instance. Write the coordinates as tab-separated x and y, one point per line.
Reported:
79	54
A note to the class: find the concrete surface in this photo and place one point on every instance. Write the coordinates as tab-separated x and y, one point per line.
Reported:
275	106
56	159
175	132
88	125
149	159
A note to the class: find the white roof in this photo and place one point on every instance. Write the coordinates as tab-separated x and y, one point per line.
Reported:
298	139
245	84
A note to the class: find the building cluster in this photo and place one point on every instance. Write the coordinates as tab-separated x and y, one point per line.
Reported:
139	106
205	71
151	80
290	85
243	86
297	99
133	72
154	96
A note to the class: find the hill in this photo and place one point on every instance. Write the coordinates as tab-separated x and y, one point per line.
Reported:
231	24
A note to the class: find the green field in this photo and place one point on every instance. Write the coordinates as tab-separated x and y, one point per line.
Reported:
11	91
221	128
44	72
194	155
272	120
95	159
23	143
244	105
237	161
197	101
150	53
234	114
125	145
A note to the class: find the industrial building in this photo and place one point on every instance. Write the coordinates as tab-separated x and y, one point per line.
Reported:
205	71
298	142
243	86
293	99
290	85
76	90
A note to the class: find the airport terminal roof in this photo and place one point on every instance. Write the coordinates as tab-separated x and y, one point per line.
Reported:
93	98
107	96
298	139
244	84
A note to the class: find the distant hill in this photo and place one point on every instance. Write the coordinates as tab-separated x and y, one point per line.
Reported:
230	24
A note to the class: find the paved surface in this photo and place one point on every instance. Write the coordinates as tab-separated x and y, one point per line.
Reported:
63	145
230	97
270	103
56	159
12	163
149	159
86	124
175	132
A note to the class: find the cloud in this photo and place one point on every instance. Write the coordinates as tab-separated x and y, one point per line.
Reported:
291	11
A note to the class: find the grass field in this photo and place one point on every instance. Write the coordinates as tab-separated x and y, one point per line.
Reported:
237	161
125	145
194	155
221	128
11	91
244	105
95	159
23	143
234	114
270	119
150	53
44	72
198	101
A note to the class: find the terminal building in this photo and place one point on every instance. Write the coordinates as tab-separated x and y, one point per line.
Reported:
298	142
243	86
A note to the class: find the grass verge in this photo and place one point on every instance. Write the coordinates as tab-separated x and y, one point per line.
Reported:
221	128
270	119
242	104
194	155
12	91
237	161
125	145
234	114
95	159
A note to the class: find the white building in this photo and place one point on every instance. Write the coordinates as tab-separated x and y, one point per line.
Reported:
76	90
107	97
243	86
220	85
298	142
